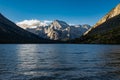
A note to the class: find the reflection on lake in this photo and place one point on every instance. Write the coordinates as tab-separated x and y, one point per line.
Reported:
59	62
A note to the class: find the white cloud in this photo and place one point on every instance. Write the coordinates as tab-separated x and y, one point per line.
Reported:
33	23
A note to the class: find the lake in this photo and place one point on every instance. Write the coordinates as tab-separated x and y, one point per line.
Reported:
59	62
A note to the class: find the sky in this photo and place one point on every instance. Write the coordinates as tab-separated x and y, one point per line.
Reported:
70	11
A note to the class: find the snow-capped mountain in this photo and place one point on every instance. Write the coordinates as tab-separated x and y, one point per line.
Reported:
59	30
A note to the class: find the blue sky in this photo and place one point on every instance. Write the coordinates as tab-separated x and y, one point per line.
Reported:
71	11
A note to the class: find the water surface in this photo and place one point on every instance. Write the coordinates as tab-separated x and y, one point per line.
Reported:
59	62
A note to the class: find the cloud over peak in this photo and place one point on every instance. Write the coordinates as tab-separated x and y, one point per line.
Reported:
33	23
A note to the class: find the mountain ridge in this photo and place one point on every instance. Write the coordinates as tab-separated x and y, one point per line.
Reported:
107	32
112	13
60	30
11	33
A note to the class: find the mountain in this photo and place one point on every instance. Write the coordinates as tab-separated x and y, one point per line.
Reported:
106	31
11	33
59	30
114	12
78	30
57	24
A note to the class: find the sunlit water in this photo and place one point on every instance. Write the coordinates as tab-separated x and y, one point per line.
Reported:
59	62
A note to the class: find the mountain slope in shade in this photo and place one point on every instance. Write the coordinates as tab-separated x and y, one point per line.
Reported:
11	33
106	32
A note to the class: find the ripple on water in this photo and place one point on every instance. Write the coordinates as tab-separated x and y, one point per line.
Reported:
59	62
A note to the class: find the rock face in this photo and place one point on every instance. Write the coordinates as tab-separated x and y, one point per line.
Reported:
107	30
114	12
11	33
60	30
57	30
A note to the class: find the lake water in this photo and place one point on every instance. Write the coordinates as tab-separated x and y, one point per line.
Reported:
59	62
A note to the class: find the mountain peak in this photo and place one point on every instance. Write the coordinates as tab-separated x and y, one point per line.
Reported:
57	24
60	22
114	12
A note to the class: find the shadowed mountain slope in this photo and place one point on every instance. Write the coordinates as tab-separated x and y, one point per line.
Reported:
11	33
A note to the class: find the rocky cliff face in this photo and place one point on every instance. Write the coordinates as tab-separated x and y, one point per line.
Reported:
106	31
114	12
57	30
60	30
